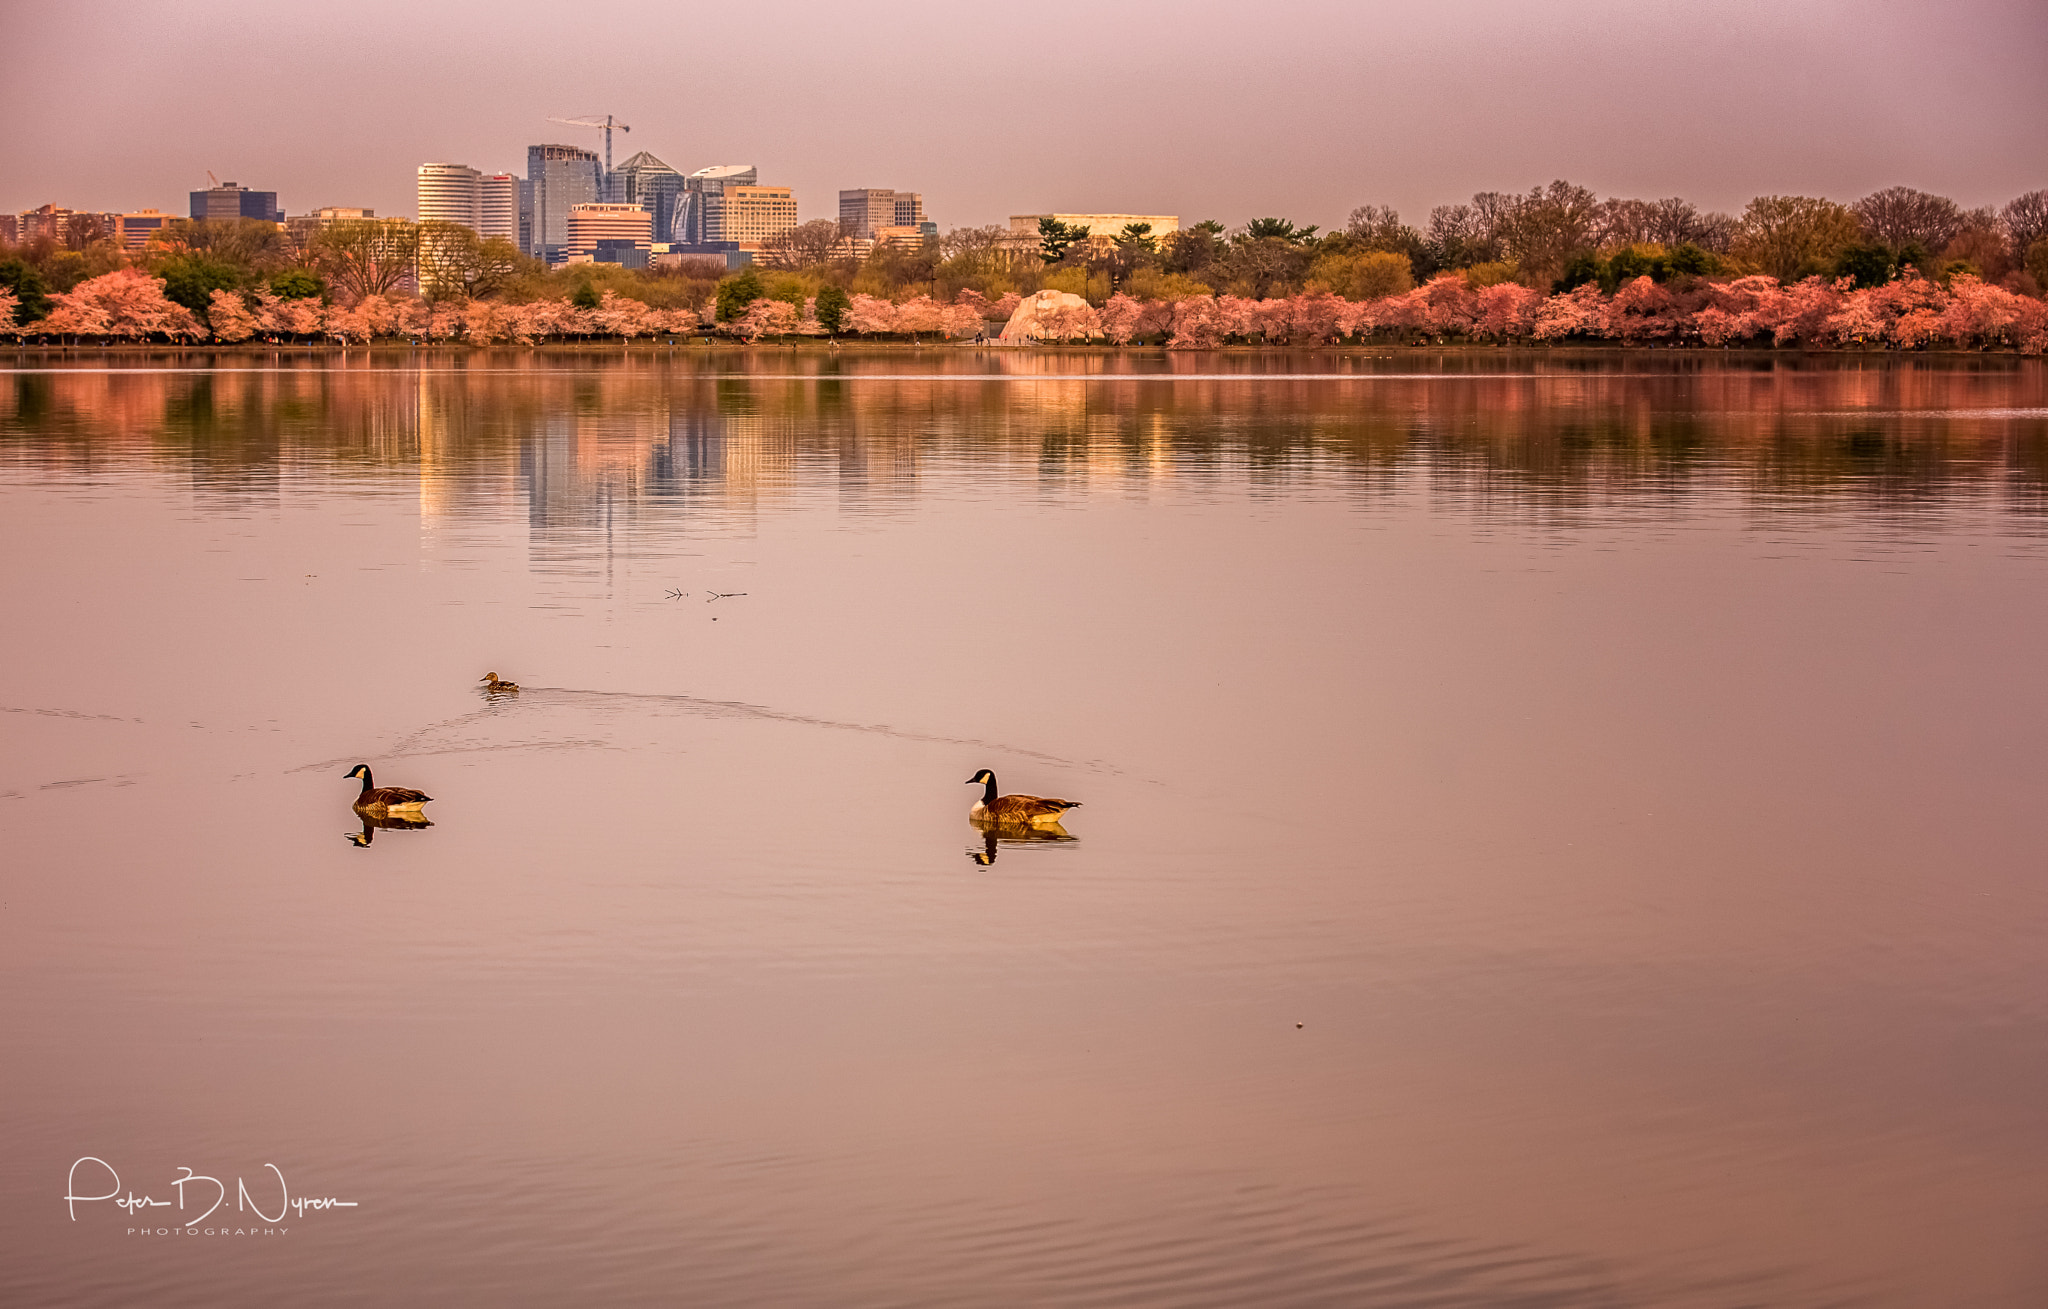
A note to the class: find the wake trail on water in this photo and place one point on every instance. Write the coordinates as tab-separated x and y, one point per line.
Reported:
433	738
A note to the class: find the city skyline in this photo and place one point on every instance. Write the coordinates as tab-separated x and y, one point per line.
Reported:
1313	111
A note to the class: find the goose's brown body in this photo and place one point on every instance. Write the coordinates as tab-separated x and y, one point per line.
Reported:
1014	810
492	682
376	799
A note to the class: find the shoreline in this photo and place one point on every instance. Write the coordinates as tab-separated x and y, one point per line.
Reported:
708	347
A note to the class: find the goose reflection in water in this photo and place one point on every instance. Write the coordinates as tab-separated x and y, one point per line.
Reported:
1000	834
387	821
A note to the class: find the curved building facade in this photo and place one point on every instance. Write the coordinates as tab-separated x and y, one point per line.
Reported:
451	193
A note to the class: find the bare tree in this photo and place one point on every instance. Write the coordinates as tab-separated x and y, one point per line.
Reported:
2025	221
250	242
455	262
1669	222
811	245
366	256
1459	237
985	251
1899	216
1542	230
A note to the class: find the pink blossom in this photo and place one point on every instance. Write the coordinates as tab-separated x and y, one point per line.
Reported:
617	316
1507	311
1120	318
1641	310
765	318
127	302
229	317
870	316
1578	312
920	316
1197	324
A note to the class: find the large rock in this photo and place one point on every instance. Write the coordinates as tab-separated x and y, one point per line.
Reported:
1053	316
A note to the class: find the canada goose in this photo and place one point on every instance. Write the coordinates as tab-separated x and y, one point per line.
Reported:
491	683
1014	810
377	799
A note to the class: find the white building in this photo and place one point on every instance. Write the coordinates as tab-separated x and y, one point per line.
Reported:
452	193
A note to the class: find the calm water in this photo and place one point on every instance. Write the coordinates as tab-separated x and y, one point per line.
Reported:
1557	831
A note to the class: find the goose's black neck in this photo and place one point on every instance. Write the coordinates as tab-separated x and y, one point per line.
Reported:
988	792
368	786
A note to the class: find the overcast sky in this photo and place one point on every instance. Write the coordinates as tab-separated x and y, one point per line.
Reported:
1297	108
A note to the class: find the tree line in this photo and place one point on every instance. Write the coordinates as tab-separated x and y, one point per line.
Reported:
1504	266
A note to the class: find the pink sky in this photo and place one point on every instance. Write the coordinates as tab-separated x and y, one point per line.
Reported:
1301	108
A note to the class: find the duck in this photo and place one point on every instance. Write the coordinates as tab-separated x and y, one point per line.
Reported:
377	799
1014	810
493	683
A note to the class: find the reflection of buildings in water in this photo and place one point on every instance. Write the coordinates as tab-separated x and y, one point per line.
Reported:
608	441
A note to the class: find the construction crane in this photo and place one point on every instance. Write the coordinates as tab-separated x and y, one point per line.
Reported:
606	125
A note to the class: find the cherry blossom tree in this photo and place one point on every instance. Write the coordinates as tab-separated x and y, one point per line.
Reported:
961	320
9	302
1642	310
485	321
127	302
920	316
1315	319
229	317
445	322
1507	311
765	317
1197	324
1578	312
1980	314
673	322
870	316
617	316
1120	318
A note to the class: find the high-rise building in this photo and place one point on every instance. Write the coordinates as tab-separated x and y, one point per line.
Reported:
646	181
233	200
498	214
750	214
561	176
451	193
609	234
864	212
695	221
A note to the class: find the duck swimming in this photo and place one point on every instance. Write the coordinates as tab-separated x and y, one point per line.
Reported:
492	683
1014	810
376	799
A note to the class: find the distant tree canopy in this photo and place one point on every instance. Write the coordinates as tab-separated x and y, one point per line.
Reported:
1791	236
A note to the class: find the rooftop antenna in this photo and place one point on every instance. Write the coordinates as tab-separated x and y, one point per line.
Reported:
211	178
606	124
